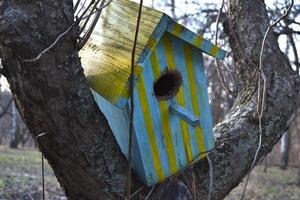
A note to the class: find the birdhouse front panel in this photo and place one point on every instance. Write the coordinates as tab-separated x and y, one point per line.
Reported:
172	117
173	141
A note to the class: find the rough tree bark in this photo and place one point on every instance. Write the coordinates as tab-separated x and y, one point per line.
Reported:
55	101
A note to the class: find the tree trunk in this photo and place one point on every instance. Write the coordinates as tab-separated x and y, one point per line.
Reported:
285	146
55	102
14	128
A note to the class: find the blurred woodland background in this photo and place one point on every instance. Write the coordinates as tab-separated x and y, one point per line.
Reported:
277	177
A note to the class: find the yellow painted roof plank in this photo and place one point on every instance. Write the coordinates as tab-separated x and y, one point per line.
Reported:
106	58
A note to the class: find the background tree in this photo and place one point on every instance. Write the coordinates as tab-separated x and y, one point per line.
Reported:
56	104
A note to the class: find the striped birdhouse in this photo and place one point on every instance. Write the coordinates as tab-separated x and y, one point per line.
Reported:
172	116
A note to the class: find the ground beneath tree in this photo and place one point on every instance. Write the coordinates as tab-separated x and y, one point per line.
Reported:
20	178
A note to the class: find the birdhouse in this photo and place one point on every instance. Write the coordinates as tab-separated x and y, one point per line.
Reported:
172	116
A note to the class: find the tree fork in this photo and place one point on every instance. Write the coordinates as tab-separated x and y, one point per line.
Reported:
53	98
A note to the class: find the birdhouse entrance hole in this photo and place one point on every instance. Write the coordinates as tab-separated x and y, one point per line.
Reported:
167	85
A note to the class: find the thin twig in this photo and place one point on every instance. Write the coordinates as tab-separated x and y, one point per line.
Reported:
136	192
211	173
82	16
85	11
76	5
88	33
152	189
132	99
92	27
231	138
43	177
43	167
214	92
208	152
41	135
262	97
82	6
97	9
51	46
220	74
217	22
89	16
187	183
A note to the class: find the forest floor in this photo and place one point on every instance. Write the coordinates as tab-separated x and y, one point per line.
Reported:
20	179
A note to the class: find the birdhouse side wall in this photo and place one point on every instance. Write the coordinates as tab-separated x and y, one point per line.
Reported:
167	143
118	120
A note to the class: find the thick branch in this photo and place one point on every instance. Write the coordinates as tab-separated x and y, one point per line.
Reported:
233	159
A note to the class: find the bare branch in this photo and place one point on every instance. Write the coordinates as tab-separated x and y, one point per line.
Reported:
76	5
92	26
89	16
218	63
50	47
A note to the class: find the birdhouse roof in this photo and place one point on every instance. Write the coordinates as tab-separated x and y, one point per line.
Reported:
106	58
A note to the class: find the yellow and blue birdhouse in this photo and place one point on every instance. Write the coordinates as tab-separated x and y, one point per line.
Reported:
172	115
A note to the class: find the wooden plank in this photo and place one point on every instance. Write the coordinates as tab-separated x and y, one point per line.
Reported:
143	116
203	101
194	99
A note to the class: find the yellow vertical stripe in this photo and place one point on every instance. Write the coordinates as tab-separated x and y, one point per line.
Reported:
193	92
198	41
179	96
214	51
150	131
165	122
177	30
